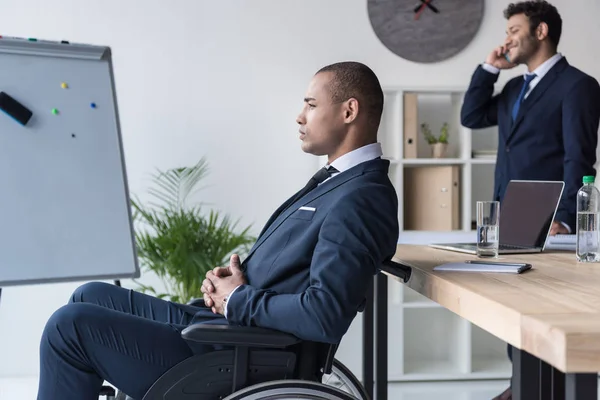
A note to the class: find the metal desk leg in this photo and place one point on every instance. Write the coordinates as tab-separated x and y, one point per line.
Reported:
381	338
526	379
581	387
552	382
368	342
558	385
545	380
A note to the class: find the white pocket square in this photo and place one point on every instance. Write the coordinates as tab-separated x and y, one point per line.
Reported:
308	208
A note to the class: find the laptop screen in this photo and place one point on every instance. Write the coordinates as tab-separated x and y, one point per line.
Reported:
527	211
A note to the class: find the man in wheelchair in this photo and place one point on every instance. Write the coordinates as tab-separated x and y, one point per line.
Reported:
306	276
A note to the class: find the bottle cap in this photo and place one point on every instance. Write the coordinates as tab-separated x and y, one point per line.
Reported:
588	179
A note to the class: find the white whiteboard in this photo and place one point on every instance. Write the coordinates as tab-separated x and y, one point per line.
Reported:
64	204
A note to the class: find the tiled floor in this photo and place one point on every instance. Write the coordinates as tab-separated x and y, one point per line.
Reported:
26	389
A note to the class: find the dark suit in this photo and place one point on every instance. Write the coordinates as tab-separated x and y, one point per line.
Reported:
307	274
554	136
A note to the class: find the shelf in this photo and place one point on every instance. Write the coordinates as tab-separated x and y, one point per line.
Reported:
444	370
484	141
491	368
456	90
483	161
433	109
430	370
432	161
434	342
488	353
431	342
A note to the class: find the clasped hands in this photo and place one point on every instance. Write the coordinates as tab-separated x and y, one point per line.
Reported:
220	282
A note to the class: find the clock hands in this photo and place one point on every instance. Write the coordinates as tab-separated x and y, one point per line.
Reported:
420	7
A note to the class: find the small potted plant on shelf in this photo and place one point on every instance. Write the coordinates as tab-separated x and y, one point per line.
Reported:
439	145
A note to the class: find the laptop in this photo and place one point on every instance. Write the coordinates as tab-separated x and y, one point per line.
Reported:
526	215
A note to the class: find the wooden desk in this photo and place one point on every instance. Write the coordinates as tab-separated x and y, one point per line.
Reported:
550	314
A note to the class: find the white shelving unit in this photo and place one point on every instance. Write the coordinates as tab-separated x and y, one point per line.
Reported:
427	341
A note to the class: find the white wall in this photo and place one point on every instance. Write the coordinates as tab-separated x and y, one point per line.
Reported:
225	79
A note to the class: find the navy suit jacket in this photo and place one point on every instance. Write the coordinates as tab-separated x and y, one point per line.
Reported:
554	136
309	273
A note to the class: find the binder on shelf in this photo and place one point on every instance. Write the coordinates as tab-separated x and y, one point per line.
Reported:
432	198
411	125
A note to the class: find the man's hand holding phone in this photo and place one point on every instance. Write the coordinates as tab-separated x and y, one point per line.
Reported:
498	59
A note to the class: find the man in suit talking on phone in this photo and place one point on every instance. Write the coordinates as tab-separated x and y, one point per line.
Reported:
547	118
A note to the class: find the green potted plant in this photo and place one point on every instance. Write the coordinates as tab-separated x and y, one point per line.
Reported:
179	242
439	145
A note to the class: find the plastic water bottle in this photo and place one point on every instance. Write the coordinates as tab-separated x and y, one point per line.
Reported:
588	222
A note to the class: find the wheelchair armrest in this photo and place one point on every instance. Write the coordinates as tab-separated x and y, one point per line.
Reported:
400	270
233	335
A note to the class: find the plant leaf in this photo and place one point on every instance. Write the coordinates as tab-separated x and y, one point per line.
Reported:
180	243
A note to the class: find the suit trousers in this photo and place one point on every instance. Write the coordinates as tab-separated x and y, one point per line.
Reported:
107	332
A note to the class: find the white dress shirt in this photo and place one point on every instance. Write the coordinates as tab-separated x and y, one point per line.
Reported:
539	72
341	164
355	157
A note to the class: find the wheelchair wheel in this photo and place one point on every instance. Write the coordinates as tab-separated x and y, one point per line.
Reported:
290	390
342	378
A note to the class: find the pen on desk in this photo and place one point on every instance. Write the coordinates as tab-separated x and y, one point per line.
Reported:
495	263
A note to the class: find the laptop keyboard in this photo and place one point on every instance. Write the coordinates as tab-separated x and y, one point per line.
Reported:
511	247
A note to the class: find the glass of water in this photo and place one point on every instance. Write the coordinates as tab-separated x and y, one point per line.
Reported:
488	227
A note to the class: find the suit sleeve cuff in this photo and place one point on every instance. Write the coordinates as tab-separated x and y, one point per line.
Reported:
567	226
228	298
490	68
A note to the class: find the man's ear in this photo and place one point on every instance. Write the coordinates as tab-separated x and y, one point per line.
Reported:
541	31
350	110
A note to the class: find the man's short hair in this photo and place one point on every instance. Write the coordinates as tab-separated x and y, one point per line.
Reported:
355	80
538	12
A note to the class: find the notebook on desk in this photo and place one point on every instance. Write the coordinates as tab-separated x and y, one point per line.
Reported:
483	266
526	215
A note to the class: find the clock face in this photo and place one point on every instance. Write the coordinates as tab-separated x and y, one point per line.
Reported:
425	30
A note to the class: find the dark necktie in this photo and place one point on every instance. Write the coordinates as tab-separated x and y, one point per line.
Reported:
313	182
515	110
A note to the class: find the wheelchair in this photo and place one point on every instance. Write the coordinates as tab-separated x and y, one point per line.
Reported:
255	363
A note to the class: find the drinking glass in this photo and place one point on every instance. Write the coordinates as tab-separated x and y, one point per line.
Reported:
488	227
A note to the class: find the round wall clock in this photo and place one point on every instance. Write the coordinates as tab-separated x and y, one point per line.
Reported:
425	30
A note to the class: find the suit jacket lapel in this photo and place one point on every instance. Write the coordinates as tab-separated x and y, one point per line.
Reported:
276	213
537	93
317	192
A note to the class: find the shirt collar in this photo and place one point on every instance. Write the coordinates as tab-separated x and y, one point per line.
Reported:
546	66
357	156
